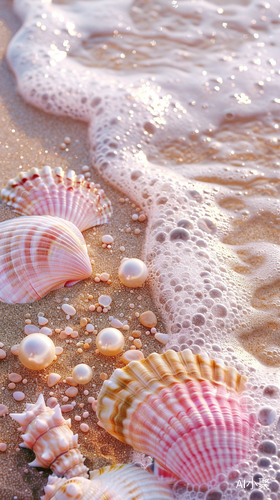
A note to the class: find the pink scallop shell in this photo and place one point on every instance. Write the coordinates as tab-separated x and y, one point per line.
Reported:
68	196
49	435
181	409
40	254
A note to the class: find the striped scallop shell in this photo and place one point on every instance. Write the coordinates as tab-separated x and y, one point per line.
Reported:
182	409
68	196
40	254
49	435
116	482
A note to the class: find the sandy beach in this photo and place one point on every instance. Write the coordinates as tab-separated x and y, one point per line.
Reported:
30	138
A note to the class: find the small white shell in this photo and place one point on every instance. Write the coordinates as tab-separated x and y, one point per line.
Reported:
126	482
40	254
68	196
48	434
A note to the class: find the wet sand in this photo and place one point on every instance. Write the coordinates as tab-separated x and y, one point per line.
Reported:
30	138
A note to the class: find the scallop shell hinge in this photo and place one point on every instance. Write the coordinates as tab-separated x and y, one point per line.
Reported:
126	482
49	435
68	196
182	409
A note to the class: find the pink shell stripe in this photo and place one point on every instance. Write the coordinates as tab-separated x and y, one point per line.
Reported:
39	254
195	435
68	196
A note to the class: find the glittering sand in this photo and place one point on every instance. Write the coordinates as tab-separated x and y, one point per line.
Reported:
29	138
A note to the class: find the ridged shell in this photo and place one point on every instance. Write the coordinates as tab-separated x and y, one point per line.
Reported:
40	254
49	435
117	482
68	196
182	409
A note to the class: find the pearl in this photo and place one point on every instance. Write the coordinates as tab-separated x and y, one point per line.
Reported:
133	272
37	351
110	341
82	374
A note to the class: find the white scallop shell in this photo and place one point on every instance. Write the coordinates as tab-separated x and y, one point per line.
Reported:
181	409
116	482
49	435
40	254
68	196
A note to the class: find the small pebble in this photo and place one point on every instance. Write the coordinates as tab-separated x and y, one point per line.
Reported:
77	418
15	349
53	379
80	350
83	322
137	231
63	146
85	414
66	408
132	355
137	343
84	427
103	376
28	321
24	381
68	330
142	218
42	321
89	327
18	395
15	377
125	328
91	308
58	350
71	381
116	323
65	399
121	200
3	446
67	140
85	168
148	319
74	334
3	410
122	249
107	239
1	344
96	279
28	329
104	277
136	334
68	309
104	300
99	309
3	354
46	331
162	337
134	217
71	392
11	386
52	402
153	330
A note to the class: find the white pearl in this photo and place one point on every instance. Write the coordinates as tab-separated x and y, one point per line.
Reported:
37	351
82	374
133	272
110	341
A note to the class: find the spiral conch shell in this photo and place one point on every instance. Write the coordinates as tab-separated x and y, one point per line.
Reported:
182	409
48	434
40	254
68	196
117	482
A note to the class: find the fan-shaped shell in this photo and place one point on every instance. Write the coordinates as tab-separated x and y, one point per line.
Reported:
181	409
39	254
68	196
49	435
117	482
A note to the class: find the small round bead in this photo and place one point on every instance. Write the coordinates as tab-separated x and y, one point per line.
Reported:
37	351
133	272
110	341
82	374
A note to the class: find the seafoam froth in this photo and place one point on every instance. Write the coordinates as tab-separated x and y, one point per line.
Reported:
182	102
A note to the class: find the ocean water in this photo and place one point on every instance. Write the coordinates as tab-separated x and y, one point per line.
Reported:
182	101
